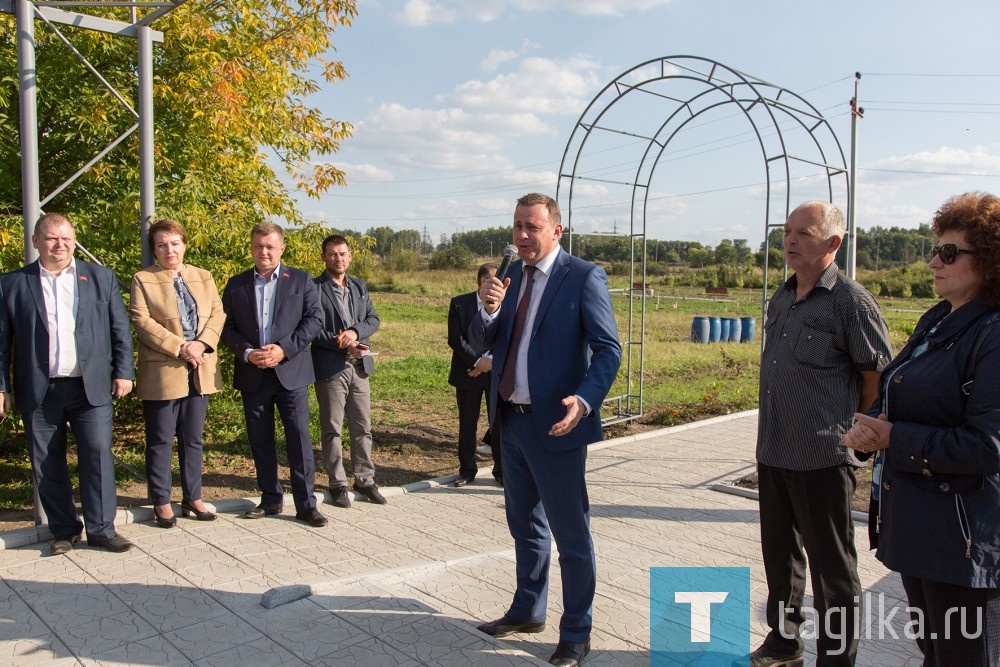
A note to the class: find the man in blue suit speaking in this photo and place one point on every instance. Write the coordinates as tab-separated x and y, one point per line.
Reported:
64	329
555	349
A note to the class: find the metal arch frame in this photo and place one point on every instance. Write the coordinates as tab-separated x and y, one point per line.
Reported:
51	13
731	83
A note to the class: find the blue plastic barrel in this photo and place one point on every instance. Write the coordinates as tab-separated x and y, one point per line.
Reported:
735	329
724	329
700	330
748	327
715	329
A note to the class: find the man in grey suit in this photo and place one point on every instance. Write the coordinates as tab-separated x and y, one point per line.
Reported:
272	314
64	328
343	363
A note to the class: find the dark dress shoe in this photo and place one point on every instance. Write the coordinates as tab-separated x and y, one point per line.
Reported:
569	654
115	543
187	509
463	481
498	476
766	657
312	517
263	510
63	545
339	497
370	492
164	521
508	626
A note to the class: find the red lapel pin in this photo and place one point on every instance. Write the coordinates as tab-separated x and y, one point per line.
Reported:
83	278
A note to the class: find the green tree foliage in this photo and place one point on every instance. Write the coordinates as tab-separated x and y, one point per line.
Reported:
454	256
232	82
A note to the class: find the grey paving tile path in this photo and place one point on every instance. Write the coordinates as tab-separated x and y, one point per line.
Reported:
402	584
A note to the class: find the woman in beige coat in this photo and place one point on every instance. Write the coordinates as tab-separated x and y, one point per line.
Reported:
178	316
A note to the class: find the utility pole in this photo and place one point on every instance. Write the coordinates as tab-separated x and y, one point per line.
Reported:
852	239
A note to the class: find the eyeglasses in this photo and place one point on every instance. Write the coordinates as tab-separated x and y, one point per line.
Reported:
949	252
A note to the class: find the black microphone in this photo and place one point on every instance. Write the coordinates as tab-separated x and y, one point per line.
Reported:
509	255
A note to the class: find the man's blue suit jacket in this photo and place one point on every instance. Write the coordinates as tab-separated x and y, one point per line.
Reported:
296	321
573	347
103	336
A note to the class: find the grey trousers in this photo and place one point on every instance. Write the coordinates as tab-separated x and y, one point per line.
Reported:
346	395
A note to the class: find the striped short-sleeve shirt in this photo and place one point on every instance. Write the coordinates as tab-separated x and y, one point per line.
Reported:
810	384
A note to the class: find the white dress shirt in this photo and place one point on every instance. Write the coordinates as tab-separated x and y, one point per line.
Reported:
62	301
521	393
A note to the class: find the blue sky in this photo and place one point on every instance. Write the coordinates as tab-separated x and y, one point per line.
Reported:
460	107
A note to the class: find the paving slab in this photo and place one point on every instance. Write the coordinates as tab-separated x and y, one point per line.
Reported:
404	584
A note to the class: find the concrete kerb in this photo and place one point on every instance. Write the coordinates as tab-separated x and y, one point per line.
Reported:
20	537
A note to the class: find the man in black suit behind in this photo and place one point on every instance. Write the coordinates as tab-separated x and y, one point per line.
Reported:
67	324
471	375
272	314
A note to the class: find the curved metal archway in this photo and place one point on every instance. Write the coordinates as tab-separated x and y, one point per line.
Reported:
645	109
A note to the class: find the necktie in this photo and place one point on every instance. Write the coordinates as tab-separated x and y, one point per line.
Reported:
507	377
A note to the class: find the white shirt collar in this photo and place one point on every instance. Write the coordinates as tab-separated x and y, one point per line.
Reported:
545	263
70	269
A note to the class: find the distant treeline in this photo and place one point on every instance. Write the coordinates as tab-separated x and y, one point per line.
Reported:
890	261
879	248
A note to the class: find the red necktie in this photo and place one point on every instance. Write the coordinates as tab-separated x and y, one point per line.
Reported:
507	377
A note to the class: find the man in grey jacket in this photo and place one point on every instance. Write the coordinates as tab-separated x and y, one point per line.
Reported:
343	363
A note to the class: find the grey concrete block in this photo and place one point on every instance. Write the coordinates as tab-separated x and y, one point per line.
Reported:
284	594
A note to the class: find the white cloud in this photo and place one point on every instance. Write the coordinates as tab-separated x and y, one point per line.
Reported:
497	57
422	12
365	173
980	159
473	125
540	85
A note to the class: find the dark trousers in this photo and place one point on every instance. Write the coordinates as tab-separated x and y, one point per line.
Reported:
809	512
957	625
46	429
470	402
543	491
185	419
293	408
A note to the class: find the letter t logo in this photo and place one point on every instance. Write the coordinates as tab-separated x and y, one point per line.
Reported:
701	611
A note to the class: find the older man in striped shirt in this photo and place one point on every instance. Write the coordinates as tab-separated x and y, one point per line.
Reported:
824	348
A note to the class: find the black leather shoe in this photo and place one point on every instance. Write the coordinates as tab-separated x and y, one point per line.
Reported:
370	492
569	654
498	476
263	510
63	545
463	481
339	497
187	509
115	543
766	657
507	626
312	517
164	521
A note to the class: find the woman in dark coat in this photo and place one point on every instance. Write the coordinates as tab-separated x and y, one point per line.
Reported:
936	432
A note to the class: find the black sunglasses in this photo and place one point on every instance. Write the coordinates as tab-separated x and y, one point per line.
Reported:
949	252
